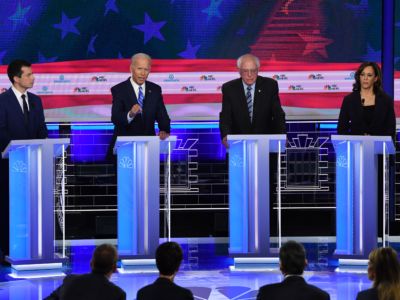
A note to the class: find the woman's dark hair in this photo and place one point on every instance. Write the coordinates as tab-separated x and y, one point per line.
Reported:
378	74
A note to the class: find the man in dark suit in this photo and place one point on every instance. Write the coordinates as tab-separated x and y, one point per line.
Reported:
168	259
250	104
21	118
95	285
292	261
138	103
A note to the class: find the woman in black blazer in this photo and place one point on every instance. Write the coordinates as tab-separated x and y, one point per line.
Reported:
384	271
368	110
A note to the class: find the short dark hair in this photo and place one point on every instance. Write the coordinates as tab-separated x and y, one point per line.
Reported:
104	259
14	68
377	71
169	256
292	256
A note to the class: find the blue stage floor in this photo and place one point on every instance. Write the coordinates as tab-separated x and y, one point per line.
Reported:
205	271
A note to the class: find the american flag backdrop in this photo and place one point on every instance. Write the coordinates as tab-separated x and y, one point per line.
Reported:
80	49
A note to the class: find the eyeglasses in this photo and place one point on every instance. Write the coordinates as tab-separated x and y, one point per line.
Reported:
249	71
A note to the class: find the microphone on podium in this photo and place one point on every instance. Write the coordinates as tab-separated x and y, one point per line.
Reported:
362	101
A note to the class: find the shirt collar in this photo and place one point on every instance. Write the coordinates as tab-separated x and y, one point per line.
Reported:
245	85
18	94
136	86
293	275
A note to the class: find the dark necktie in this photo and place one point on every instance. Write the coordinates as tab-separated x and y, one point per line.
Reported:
140	96
249	102
26	111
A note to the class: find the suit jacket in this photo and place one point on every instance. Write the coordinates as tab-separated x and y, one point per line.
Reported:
164	289
351	120
293	288
268	115
12	124
370	294
124	98
89	286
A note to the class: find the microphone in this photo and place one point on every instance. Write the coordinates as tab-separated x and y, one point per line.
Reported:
362	101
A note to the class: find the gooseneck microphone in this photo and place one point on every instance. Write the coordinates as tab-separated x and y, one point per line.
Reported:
362	101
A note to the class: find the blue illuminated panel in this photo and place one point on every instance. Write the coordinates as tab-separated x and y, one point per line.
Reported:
344	201
127	201
20	231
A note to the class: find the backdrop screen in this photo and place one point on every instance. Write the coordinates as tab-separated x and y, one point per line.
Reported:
81	48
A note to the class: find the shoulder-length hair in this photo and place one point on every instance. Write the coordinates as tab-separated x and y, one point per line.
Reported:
377	71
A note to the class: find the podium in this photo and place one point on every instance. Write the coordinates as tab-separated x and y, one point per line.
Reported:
356	193
138	176
249	190
32	178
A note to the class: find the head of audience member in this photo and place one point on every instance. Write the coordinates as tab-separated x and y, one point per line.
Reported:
292	258
104	260
169	256
140	67
20	73
368	75
248	66
384	271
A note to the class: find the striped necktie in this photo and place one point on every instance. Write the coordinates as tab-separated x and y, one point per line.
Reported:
140	96
249	102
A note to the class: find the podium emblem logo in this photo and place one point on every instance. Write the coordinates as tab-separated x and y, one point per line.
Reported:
236	161
341	161
125	163
19	167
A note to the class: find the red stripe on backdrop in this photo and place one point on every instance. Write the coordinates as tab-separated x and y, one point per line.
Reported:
180	65
306	100
313	100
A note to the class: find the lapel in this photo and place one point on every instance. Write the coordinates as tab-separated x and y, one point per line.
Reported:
131	96
257	98
377	111
15	106
147	96
243	101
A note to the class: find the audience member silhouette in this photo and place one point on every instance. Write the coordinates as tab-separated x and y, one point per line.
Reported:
168	259
384	271
94	285
292	261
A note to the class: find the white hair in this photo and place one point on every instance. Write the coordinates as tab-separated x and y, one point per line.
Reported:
140	55
248	56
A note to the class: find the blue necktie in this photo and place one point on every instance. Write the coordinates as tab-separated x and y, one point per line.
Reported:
140	96
249	102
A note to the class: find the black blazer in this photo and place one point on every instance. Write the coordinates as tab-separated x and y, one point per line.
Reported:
124	98
370	294
89	286
268	115
164	289
351	119
12	124
293	288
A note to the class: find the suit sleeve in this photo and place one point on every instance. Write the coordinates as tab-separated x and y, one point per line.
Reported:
42	129
118	112
343	126
225	116
162	117
278	115
4	132
390	123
